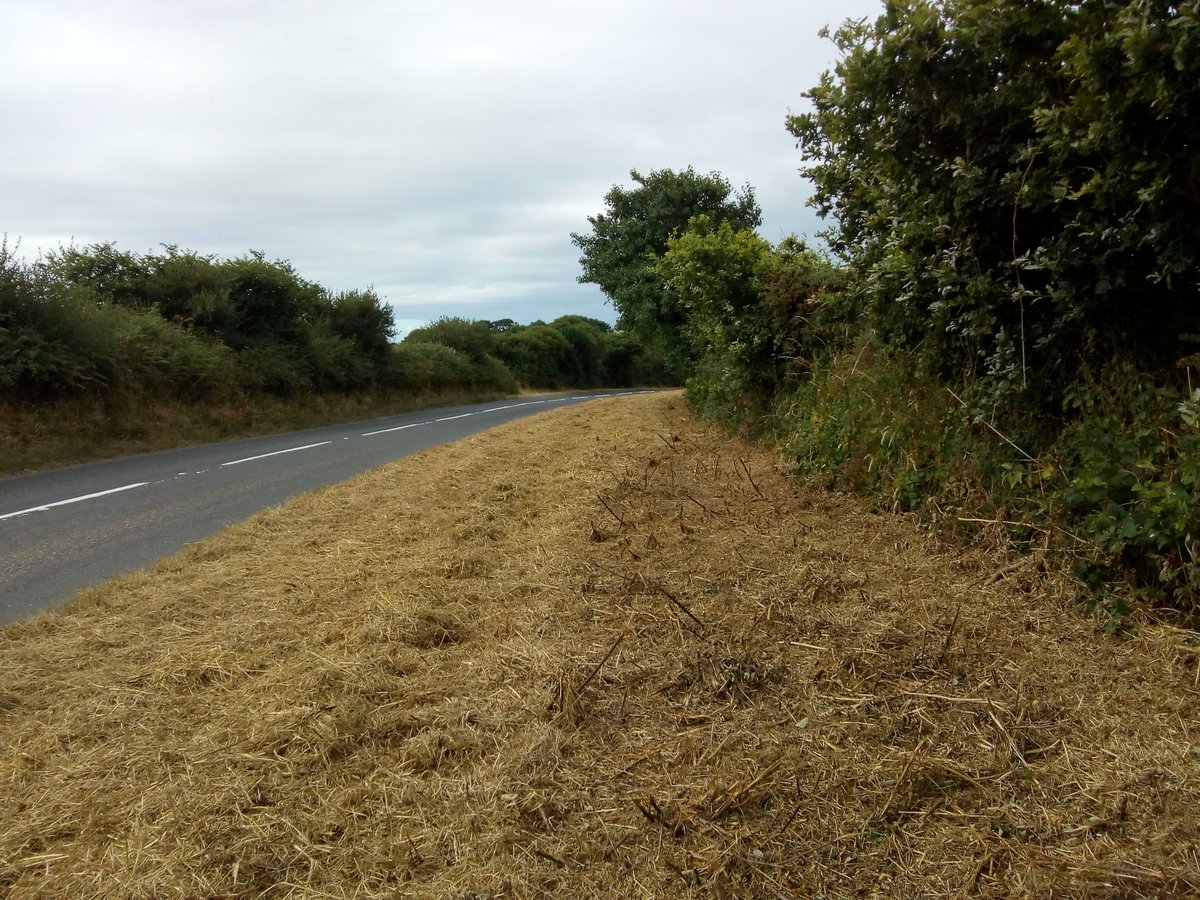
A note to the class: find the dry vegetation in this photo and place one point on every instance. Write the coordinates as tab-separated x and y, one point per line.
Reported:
606	651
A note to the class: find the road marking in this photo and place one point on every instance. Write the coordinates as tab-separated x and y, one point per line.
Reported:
48	506
397	428
234	462
498	408
452	418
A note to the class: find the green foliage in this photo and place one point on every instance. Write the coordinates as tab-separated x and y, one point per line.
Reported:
624	362
621	252
863	421
536	355
572	351
433	368
473	338
1132	490
715	274
583	366
1013	187
363	319
271	302
113	276
157	356
189	290
115	333
1016	182
53	339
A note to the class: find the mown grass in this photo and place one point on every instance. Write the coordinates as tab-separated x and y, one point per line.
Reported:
601	652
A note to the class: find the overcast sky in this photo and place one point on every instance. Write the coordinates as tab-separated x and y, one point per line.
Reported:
439	151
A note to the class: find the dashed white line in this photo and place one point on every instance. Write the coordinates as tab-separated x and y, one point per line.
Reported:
48	506
234	462
397	428
452	418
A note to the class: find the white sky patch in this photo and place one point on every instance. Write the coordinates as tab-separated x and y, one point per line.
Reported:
441	153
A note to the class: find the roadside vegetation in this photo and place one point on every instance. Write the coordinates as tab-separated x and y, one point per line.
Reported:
1004	335
108	352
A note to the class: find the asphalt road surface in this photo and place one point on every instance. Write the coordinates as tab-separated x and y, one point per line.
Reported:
67	529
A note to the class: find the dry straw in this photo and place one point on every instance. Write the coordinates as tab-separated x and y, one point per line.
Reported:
604	652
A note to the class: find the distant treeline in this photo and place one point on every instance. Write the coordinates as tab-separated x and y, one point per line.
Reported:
100	322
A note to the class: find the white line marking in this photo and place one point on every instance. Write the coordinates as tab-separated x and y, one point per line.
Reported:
498	408
452	418
397	428
117	490
234	462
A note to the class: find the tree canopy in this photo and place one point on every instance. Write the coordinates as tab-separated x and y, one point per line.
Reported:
1018	182
621	252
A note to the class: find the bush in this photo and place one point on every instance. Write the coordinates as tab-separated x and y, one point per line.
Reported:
426	367
537	356
54	338
1131	465
160	357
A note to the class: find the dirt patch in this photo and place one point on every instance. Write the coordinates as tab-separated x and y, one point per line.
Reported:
606	651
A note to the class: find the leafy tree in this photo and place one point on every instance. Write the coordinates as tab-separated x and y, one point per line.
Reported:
716	273
272	302
115	276
625	363
583	365
362	318
474	338
537	355
813	315
189	289
621	251
1016	181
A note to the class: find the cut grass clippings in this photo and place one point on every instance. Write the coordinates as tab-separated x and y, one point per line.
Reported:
604	651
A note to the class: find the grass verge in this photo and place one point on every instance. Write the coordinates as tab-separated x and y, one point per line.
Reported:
605	651
34	437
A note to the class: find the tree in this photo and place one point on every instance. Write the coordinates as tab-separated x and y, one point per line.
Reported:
1017	182
473	337
190	290
716	274
538	355
584	365
621	252
363	318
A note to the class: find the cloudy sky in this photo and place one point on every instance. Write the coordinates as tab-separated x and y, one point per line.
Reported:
439	151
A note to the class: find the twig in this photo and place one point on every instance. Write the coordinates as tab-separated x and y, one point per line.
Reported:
949	636
550	857
749	477
912	757
600	497
596	671
1004	522
737	794
992	427
654	813
687	612
674	449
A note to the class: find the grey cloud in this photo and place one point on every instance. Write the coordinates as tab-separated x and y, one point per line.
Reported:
441	153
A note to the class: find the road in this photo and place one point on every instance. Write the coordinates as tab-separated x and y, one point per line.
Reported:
67	529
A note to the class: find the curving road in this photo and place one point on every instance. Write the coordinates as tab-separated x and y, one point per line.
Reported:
64	530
